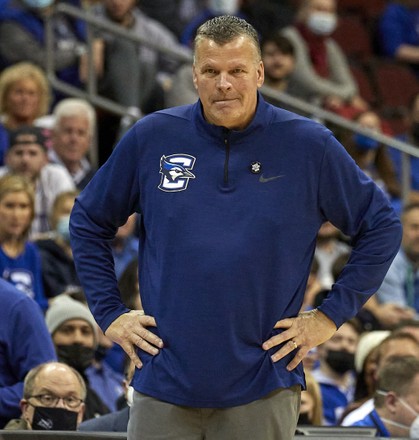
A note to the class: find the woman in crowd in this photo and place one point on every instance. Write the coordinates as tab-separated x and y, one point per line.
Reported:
20	263
24	97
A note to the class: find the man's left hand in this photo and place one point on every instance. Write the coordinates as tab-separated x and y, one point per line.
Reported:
302	333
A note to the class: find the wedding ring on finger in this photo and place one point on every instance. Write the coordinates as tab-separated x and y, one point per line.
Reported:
294	344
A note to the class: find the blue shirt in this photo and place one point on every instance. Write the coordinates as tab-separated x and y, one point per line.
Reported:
229	221
24	272
24	343
373	419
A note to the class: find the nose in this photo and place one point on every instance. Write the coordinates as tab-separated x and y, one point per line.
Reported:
223	83
60	403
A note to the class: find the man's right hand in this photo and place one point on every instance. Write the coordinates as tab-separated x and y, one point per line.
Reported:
129	331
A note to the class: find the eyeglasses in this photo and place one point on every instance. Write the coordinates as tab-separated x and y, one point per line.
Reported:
51	401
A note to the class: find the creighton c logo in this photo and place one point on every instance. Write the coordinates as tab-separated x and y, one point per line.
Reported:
175	172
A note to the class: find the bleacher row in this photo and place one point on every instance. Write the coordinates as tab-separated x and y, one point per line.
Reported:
387	85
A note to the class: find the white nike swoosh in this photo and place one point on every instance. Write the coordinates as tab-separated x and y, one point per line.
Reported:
269	179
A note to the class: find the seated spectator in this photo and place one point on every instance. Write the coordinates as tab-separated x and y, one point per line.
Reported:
336	372
213	9
24	344
398	32
329	247
74	333
410	136
401	283
24	97
396	406
311	408
116	421
125	245
58	270
321	75
22	38
72	136
27	156
20	263
53	399
139	82
372	157
394	345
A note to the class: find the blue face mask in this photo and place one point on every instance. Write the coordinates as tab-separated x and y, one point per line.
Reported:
38	4
63	228
365	142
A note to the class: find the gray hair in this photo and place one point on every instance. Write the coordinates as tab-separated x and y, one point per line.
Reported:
224	29
75	107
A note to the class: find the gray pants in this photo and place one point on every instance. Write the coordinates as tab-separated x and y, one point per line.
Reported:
274	417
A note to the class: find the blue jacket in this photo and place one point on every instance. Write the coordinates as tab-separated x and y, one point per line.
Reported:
226	252
373	420
24	343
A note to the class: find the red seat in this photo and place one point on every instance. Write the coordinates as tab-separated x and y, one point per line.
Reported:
365	86
354	38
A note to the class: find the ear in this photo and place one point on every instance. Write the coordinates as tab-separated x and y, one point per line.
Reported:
81	413
391	402
260	74
194	77
27	411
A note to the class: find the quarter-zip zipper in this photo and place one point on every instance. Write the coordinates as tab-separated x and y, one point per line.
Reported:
227	156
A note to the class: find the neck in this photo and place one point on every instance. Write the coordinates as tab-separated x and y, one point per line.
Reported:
12	246
12	122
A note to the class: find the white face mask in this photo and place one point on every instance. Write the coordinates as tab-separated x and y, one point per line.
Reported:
224	7
322	23
38	4
413	428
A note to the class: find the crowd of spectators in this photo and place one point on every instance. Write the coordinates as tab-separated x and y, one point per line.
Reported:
367	374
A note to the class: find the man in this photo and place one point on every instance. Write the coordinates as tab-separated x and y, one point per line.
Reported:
396	401
27	156
24	344
53	399
336	375
72	136
232	192
401	284
397	344
74	333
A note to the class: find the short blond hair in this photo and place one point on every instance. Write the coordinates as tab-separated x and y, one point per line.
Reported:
24	70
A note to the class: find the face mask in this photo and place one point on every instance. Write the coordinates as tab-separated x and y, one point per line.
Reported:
101	352
413	428
53	419
38	4
340	361
415	131
63	228
303	419
224	7
364	142
322	23
75	355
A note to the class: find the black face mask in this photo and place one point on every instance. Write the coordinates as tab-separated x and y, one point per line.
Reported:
53	419
75	355
340	361
303	419
101	352
414	130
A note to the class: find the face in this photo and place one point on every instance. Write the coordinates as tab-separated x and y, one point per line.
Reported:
278	65
401	413
27	160
370	120
410	239
56	380
23	100
322	6
74	331
227	79
307	404
15	214
119	9
345	339
72	139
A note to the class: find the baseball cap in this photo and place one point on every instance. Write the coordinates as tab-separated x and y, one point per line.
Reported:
27	134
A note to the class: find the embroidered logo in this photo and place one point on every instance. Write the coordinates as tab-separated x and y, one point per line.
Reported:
175	171
263	179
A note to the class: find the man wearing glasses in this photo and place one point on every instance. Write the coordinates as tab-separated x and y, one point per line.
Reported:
53	399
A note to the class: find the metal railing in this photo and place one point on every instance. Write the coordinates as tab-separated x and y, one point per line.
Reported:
93	22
